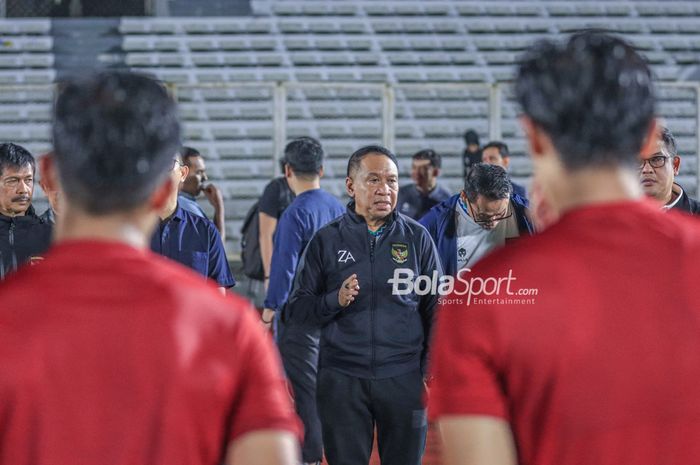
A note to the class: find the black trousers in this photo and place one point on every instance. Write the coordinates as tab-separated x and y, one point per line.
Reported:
350	408
299	348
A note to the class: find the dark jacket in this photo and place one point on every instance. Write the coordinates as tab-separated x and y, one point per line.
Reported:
519	190
441	224
379	335
687	204
22	237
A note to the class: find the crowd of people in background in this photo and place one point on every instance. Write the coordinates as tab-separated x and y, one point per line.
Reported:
177	370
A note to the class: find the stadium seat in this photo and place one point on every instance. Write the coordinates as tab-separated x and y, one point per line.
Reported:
408	42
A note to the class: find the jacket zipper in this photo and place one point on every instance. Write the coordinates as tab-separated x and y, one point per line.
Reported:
11	239
372	243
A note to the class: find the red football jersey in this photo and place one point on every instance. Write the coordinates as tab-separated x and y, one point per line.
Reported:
113	355
601	363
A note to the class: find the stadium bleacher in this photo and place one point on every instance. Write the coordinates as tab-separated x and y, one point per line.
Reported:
421	43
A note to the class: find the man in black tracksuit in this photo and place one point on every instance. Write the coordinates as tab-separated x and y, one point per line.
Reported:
373	344
24	237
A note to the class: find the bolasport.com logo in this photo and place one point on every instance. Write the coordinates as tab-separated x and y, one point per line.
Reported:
462	289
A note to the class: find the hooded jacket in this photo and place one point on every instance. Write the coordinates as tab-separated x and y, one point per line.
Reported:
441	224
381	334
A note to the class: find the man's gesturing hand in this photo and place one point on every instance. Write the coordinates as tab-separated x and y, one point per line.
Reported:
348	291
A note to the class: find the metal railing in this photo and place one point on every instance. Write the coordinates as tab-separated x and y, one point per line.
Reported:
388	91
280	92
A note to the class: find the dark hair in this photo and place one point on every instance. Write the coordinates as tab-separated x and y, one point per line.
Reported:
305	156
500	146
490	181
668	141
356	158
429	154
15	156
593	95
115	136
471	137
188	152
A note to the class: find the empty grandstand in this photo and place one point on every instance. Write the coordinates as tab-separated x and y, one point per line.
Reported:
411	74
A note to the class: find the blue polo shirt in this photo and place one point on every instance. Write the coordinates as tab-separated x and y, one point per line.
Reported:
194	242
308	212
189	203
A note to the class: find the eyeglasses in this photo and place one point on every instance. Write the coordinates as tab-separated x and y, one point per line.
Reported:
483	219
657	160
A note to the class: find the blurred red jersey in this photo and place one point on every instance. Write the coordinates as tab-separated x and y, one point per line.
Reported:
113	355
601	364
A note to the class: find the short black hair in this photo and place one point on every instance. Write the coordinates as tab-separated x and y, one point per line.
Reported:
502	147
115	136
15	156
188	152
490	181
305	156
668	141
471	137
359	154
592	95
429	154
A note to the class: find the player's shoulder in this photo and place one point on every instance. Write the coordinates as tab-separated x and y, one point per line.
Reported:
686	229
187	291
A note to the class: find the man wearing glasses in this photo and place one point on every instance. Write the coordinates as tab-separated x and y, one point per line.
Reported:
657	172
482	217
191	239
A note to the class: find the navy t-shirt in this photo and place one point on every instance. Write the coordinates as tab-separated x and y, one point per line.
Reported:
275	198
194	242
307	214
413	203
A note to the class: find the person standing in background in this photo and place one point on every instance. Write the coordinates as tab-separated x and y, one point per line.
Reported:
24	237
195	185
299	344
472	151
425	192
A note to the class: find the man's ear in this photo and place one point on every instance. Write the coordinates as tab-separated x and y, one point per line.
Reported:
287	171
48	173
184	172
506	162
534	137
162	194
320	172
651	140
676	165
350	187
